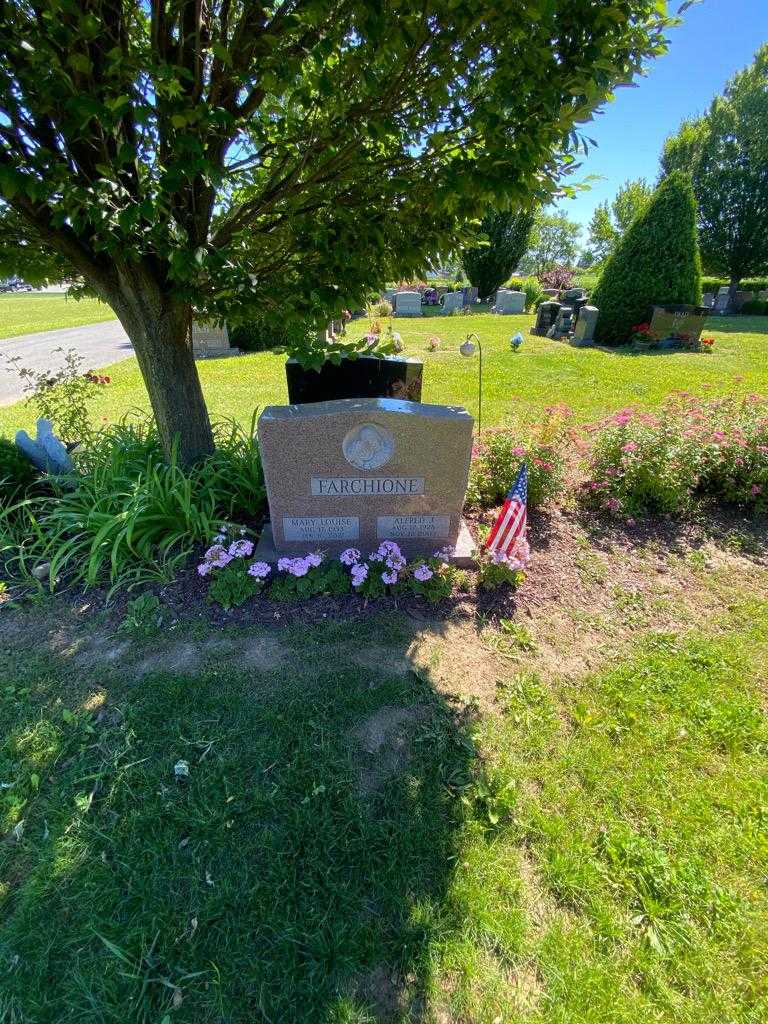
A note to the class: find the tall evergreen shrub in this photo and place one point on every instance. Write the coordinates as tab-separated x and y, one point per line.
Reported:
656	263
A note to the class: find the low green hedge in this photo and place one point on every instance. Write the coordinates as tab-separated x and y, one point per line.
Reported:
712	284
755	308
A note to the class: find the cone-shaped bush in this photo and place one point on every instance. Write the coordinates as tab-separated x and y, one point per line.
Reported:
656	263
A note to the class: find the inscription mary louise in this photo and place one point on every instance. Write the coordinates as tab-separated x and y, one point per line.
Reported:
315	500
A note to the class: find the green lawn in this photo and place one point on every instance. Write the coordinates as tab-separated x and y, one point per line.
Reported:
29	312
556	817
516	386
455	823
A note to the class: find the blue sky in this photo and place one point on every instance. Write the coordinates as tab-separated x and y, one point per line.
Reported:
715	39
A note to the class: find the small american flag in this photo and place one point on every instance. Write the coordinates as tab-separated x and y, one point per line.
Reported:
510	526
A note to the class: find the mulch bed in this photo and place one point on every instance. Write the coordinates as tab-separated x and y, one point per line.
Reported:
557	540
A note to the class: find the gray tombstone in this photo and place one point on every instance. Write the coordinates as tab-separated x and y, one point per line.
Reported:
563	324
46	451
708	299
210	340
584	331
407	304
509	302
451	301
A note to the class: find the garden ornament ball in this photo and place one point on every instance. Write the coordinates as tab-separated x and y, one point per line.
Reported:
468	348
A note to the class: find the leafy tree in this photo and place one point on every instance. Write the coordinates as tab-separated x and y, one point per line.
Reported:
726	154
611	220
234	156
488	267
554	242
655	263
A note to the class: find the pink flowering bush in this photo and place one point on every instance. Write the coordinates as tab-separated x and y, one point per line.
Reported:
714	449
734	442
641	463
497	458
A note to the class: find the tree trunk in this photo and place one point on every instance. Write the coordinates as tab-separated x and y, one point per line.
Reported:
159	331
733	287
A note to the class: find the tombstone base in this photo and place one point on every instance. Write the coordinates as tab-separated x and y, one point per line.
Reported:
216	353
463	556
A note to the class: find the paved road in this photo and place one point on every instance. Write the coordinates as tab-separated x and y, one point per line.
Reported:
98	344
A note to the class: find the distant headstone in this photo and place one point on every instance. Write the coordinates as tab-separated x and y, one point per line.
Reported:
584	331
452	301
742	297
355	472
470	295
721	299
708	299
46	451
546	315
553	293
407	304
211	340
763	295
563	323
509	301
678	323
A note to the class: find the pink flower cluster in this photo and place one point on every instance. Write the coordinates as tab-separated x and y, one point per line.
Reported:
517	558
220	555
299	566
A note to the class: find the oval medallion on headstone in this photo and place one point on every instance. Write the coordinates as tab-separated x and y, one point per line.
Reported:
368	446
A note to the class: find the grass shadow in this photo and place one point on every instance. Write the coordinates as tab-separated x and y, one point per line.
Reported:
230	845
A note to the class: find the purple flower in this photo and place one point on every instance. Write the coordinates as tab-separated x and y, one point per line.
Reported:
204	568
444	554
241	549
359	574
350	556
259	570
423	573
218	556
396	562
313	559
388	547
390	578
376	556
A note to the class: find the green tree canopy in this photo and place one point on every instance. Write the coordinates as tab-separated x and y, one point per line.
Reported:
240	156
725	152
487	267
655	263
610	220
554	241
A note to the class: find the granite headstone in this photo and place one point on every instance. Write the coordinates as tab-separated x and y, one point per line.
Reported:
678	323
546	315
354	472
407	304
584	331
